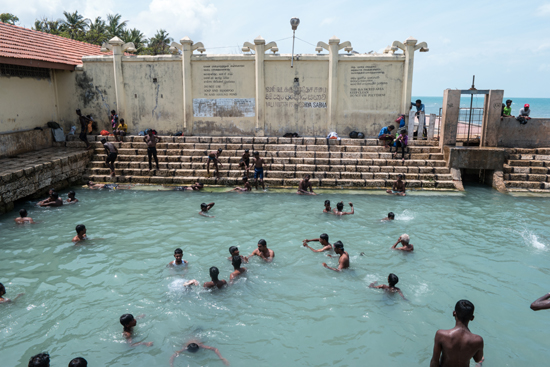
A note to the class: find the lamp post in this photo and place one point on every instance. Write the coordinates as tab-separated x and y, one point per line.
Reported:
294	22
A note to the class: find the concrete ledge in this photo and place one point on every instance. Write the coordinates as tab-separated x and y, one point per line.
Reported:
18	142
474	158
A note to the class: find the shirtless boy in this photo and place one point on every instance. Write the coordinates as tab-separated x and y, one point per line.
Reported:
216	282
244	163
178	255
80	233
71	198
398	187
193	346
343	261
197	186
3	292
92	185
258	170
305	185
392	281
213	157
205	208
455	347
23	217
54	200
263	252
340	207
390	216
404	239
152	141
112	153
327	209
128	322
234	251
323	239
247	186
236	261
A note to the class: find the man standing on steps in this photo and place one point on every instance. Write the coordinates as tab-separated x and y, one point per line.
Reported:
112	153
258	170
84	121
152	141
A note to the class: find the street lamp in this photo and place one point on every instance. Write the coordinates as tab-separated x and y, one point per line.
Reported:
294	22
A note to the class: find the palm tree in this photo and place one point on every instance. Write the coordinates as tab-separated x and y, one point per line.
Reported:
160	43
97	32
74	25
114	26
8	18
134	35
48	26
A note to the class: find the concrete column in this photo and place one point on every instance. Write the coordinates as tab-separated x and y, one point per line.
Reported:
431	127
491	118
332	100
260	85
116	46
449	117
186	53
410	125
406	95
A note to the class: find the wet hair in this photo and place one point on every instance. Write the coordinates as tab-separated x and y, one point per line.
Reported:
246	150
508	101
192	347
339	244
79	228
90	182
220	150
393	279
256	153
40	360
55	196
103	141
391	215
405	238
245	178
327	202
178	251
464	310
204	206
113	111
2	288
78	362
340	206
214	272
71	193
391	127
232	249
23	213
126	319
262	242
418	101
236	261
324	236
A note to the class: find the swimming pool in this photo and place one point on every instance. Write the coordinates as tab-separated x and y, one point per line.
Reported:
480	245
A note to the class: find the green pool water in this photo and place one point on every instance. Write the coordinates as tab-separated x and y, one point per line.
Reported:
480	245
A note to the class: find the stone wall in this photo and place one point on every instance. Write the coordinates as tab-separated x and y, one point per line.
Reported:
33	173
18	142
534	134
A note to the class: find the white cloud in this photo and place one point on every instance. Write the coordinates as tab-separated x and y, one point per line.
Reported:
543	10
179	17
327	21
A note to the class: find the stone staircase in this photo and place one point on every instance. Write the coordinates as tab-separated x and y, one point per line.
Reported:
351	163
528	170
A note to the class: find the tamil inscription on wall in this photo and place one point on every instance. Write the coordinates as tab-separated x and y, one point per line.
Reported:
367	81
296	96
224	107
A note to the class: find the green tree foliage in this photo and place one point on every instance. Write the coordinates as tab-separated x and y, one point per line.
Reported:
74	25
134	35
114	26
160	43
9	18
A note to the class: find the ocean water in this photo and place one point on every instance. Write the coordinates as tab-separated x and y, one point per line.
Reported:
490	248
540	107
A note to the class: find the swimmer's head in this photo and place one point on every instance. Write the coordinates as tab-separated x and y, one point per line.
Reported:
340	206
214	272
81	228
40	360
262	243
324	237
54	195
200	184
393	280
78	362
71	194
391	215
204	206
307	177
232	250
90	183
127	320
50	191
256	154
327	203
2	290
245	178
178	254
399	177
236	261
23	213
405	238
464	311
246	150
103	141
192	347
338	246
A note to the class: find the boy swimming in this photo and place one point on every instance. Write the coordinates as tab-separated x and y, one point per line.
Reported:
23	218
193	346
128	322
340	207
71	198
263	252
178	255
238	271
205	208
216	282
392	281
343	261
3	292
80	233
323	239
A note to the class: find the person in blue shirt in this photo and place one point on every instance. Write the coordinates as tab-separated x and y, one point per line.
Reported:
419	107
386	135
401	121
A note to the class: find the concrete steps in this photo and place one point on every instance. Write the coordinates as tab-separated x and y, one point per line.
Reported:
345	163
528	170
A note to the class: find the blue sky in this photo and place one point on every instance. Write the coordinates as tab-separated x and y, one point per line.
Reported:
506	44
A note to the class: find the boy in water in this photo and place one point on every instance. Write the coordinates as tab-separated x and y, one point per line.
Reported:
343	261
151	141
193	346
128	322
340	207
178	255
244	163
112	153
263	252
247	186
398	187
5	300
455	347
205	208
92	185
392	281
327	209
80	233
214	157
23	218
40	360
54	200
305	185
78	362
216	282
323	239
71	198
390	216
258	170
236	261
234	251
542	303
404	240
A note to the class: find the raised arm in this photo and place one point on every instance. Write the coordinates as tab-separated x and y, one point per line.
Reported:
352	210
436	352
215	350
211	205
176	354
395	245
543	303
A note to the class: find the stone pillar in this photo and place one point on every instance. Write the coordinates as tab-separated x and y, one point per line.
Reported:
259	48
406	95
410	125
449	117
491	118
421	124
186	53
116	46
332	98
431	127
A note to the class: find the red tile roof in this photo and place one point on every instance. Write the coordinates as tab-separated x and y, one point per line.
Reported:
22	43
